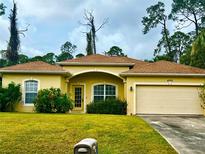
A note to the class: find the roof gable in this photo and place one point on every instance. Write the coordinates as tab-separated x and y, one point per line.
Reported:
98	59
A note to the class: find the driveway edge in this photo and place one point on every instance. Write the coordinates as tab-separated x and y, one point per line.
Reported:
166	139
161	135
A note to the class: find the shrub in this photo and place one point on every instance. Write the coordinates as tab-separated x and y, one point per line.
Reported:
52	101
202	96
108	106
9	97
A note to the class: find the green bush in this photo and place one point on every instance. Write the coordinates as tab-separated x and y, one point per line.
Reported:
202	96
52	101
9	97
108	106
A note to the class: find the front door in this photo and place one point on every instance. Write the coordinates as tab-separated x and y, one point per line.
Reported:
78	92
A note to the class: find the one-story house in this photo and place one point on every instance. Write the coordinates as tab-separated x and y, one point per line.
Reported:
149	88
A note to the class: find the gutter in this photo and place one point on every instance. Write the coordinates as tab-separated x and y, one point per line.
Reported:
161	74
94	64
35	72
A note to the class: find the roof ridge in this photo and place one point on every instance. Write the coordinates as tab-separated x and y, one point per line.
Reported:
165	67
145	64
34	66
67	60
38	61
101	59
192	67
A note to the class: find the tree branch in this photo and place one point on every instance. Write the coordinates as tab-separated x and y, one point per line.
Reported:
23	30
187	17
104	22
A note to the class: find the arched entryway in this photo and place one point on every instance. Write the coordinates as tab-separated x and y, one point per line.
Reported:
86	87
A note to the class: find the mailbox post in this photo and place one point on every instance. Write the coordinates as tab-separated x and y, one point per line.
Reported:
86	146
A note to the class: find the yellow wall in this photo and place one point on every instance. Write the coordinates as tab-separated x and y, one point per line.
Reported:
89	79
64	87
45	81
131	82
102	74
58	81
109	69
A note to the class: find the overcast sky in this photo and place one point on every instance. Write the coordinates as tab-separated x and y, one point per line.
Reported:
53	22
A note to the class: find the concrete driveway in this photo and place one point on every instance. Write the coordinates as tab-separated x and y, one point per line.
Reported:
185	133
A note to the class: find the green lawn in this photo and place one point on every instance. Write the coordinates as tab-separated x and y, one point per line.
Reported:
57	133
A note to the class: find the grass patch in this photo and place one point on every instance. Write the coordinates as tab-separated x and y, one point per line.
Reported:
58	133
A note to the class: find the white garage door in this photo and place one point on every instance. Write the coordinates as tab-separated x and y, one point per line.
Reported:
167	100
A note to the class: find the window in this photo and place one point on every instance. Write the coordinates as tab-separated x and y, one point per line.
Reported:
31	90
78	96
104	91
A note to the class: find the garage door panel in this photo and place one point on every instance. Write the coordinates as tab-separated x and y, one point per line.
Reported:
167	100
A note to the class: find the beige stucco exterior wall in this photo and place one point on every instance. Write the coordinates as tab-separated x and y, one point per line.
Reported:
115	70
132	81
83	75
45	81
89	79
90	75
63	82
64	87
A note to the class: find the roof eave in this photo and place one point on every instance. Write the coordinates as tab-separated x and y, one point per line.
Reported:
162	74
94	64
35	72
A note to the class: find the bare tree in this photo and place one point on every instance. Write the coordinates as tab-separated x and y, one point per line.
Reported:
90	23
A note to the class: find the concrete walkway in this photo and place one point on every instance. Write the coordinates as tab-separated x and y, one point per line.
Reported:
185	133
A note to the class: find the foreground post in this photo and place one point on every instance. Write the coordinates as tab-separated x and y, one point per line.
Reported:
86	146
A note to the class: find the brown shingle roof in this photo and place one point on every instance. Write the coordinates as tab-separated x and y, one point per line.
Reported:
36	66
101	59
164	67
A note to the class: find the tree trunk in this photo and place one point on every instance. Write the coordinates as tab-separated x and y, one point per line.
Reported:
166	36
196	24
94	45
89	47
94	38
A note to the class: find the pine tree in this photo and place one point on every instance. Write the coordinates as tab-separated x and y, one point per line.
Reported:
2	9
14	41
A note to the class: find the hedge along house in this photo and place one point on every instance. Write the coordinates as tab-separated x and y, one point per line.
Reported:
149	88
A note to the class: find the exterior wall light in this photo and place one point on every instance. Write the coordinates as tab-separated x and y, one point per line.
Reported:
131	88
